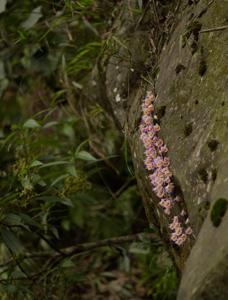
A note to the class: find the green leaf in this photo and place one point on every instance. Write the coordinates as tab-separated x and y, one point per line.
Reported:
67	263
55	163
72	170
14	220
37	179
139	248
50	124
66	224
3	5
33	18
31	123
67	202
140	4
9	197
81	145
84	155
55	232
11	241
28	220
36	163
68	131
26	183
55	199
58	179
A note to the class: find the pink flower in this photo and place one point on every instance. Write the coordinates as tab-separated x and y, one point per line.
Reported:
175	219
167	180
169	188
157	127
166	172
163	149
158	190
181	239
174	237
166	203
189	231
149	98
178	231
160	193
149	165
166	162
171	226
157	163
147	119
150	129
157	181
148	109
158	142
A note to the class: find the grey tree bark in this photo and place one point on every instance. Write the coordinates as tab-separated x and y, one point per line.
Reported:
177	49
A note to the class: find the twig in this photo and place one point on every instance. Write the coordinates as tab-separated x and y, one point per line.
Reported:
124	186
37	233
92	145
210	2
214	29
143	15
18	263
71	251
156	15
108	242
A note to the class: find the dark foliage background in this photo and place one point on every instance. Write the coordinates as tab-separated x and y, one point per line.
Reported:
66	177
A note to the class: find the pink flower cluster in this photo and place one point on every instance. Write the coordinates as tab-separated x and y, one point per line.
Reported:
157	163
179	236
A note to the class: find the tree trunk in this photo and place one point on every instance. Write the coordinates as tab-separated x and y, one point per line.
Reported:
178	51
